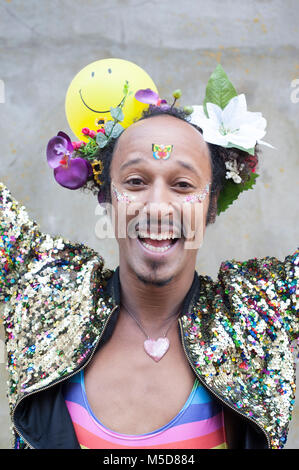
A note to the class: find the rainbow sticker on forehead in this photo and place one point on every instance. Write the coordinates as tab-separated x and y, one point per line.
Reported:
161	152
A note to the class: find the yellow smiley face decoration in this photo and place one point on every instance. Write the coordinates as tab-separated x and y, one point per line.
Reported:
98	87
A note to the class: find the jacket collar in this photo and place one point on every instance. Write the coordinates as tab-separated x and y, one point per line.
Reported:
113	291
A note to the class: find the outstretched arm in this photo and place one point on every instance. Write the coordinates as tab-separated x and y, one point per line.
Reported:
23	247
268	286
18	235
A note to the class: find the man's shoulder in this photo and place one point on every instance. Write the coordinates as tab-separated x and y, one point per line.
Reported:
55	314
265	288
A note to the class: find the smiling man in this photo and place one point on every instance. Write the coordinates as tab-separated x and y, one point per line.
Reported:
151	182
151	355
153	283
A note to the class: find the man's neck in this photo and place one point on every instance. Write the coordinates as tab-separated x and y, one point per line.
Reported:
152	305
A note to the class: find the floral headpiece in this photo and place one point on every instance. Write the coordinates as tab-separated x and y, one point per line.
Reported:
74	163
224	121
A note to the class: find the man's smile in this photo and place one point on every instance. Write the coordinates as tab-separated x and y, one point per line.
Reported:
158	246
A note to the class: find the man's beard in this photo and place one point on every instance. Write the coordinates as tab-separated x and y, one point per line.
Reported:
150	279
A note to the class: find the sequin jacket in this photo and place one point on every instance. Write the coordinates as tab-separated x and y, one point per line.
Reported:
58	304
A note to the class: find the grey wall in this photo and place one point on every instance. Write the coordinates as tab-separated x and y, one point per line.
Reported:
44	43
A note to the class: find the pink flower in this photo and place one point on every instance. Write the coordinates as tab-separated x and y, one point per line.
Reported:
101	130
88	132
77	145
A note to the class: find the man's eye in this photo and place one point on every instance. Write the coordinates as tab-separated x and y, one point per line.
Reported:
184	184
134	182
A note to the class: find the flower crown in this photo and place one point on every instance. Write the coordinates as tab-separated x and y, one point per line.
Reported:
223	119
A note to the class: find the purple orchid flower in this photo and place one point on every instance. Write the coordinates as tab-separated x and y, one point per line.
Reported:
150	97
71	173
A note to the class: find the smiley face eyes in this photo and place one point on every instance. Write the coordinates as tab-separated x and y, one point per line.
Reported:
109	71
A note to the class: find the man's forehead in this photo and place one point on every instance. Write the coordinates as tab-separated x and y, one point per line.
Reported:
161	129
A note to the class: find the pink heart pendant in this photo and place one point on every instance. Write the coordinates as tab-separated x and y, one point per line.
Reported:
156	348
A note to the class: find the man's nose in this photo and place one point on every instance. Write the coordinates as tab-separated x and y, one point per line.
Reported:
159	193
160	208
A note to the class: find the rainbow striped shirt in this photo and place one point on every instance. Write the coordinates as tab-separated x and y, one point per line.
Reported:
198	425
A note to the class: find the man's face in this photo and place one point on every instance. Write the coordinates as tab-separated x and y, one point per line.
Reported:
155	198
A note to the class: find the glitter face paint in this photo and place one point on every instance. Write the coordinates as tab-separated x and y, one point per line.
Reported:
197	197
161	151
121	196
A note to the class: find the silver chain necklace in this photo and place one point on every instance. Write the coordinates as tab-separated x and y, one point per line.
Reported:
156	349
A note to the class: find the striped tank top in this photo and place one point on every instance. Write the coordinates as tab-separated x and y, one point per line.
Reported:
198	425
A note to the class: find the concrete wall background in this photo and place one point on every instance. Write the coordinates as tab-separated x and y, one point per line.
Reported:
44	43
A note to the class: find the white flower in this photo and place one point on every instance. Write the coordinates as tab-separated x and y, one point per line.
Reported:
234	124
233	173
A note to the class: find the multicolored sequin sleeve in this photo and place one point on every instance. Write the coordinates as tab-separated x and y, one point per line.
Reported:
49	290
267	286
21	244
17	235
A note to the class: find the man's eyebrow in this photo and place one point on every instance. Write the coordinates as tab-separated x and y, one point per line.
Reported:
182	163
133	161
188	166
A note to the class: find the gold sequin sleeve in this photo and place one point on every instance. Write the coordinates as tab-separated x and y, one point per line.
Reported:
49	289
17	238
23	245
267	286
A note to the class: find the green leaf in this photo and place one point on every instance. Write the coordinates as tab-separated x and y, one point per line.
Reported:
231	192
117	114
219	89
113	129
101	139
250	151
117	130
108	127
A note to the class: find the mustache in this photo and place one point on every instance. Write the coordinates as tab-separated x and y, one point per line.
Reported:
159	218
152	223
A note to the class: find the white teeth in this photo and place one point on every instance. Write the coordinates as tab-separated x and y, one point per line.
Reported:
156	248
156	236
